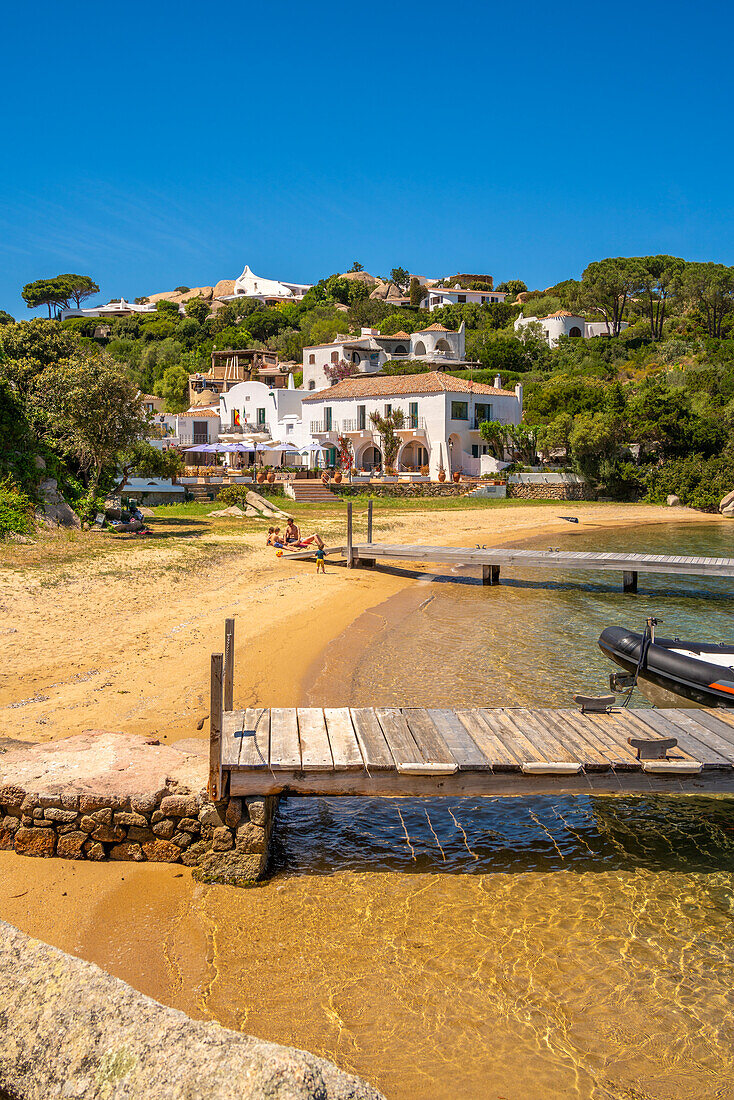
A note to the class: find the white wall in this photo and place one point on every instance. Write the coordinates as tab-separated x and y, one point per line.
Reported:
438	298
248	397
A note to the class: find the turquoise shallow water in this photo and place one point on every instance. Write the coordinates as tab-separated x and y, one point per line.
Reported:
518	948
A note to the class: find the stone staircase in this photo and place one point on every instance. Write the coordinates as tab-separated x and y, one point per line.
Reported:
310	492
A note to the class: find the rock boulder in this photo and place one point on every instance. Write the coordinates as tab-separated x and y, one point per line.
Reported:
71	1030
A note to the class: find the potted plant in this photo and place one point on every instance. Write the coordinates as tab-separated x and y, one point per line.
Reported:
261	477
456	476
271	477
338	477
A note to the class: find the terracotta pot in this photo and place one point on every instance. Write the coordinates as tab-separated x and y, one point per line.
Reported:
442	475
456	476
271	477
325	479
338	477
261	477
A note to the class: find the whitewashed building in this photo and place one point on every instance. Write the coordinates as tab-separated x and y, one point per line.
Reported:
252	408
442	418
563	323
370	351
456	296
197	426
120	308
268	291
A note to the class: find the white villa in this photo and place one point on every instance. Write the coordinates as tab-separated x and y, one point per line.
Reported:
563	323
370	351
120	308
268	291
442	296
255	408
442	418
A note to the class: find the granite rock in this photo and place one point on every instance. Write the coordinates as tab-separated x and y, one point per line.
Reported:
74	1031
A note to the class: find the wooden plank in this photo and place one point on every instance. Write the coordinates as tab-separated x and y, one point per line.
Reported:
285	750
641	728
465	749
481	727
590	756
621	754
723	729
712	749
228	663
254	738
398	736
476	783
427	737
342	738
723	715
315	747
215	727
623	757
374	748
230	740
541	736
514	738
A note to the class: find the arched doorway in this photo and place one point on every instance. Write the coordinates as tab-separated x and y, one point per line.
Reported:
412	457
575	331
370	458
419	348
444	346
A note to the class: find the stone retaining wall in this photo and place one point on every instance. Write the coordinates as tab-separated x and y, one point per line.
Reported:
103	795
225	841
551	492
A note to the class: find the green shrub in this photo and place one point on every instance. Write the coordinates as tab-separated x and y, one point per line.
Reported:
16	510
699	482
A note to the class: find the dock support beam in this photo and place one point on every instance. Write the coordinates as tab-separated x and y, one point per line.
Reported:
215	728
490	574
350	552
629	580
228	663
368	561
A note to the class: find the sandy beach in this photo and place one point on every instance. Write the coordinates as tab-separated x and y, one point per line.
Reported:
123	643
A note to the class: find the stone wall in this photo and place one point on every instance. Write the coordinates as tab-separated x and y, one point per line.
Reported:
224	841
551	492
111	796
71	1030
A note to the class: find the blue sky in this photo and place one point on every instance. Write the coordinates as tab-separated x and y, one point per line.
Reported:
157	145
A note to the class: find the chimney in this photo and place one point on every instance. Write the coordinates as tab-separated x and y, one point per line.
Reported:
518	394
497	382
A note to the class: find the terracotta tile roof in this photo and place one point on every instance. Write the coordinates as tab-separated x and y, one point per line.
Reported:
436	328
370	385
199	413
395	336
560	313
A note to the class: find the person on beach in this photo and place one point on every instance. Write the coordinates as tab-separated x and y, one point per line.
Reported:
280	543
292	533
321	560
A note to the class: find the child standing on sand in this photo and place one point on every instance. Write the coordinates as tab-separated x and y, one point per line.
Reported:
321	560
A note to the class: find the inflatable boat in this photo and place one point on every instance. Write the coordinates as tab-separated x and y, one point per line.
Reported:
669	669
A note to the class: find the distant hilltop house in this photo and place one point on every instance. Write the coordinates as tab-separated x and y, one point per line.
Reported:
442	418
249	285
439	296
370	351
268	291
563	323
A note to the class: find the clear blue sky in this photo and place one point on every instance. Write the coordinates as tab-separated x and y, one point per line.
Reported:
154	145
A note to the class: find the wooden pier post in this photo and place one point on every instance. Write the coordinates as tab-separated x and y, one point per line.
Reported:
369	520
490	574
350	552
228	663
215	728
629	580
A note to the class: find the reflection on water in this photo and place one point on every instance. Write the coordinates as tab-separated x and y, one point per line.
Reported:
514	949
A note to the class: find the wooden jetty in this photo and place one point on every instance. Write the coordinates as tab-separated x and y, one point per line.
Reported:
461	750
491	561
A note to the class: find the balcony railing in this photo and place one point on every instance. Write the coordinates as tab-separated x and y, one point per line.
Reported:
415	422
319	427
